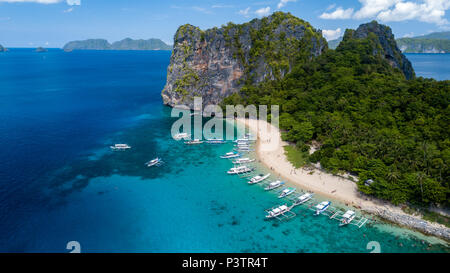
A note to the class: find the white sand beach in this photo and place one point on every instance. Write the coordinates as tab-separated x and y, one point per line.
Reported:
270	152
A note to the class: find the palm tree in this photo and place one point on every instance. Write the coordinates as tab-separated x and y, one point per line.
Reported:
420	177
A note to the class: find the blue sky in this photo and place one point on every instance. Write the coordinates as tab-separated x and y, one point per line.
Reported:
52	23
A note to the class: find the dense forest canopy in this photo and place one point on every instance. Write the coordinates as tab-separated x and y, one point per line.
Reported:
368	118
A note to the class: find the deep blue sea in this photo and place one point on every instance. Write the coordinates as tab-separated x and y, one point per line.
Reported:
436	66
60	182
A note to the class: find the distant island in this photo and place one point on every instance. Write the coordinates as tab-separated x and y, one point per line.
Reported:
41	49
436	42
3	49
125	44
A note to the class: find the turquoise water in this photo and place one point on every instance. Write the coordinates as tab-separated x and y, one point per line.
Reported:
60	182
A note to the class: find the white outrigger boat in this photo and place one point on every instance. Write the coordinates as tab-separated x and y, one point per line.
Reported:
193	142
215	141
230	155
181	136
348	216
154	162
286	192
258	178
303	198
321	207
274	185
243	149
277	211
120	147
240	170
243	160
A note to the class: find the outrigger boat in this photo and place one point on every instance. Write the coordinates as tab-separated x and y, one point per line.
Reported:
120	147
154	162
181	136
278	211
240	170
303	198
230	155
274	185
245	149
243	160
215	141
258	178
286	192
348	216
321	207
193	142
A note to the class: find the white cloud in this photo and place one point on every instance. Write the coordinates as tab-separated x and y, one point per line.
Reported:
73	2
429	11
263	11
339	13
283	3
68	10
244	12
371	8
332	34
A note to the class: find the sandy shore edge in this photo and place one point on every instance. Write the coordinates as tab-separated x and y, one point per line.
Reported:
270	152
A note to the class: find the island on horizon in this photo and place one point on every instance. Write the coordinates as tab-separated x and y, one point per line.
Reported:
436	42
125	44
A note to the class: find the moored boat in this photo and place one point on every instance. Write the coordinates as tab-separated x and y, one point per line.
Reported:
193	142
240	170
215	141
286	192
303	198
348	216
278	211
258	178
243	160
230	155
154	162
274	185
181	136
321	207
120	147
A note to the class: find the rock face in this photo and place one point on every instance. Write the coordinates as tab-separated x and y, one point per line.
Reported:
218	62
389	49
125	44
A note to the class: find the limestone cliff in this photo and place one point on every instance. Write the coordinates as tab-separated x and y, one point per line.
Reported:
216	63
384	45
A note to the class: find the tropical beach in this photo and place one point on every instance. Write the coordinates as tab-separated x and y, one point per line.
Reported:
270	151
113	137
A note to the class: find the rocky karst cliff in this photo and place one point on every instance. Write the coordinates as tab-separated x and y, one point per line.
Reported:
217	62
2	49
384	45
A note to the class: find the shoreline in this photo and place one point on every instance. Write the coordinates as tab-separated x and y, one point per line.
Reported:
270	152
